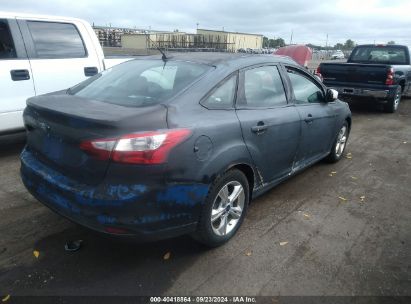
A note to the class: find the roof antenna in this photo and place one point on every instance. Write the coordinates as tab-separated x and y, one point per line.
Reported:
163	57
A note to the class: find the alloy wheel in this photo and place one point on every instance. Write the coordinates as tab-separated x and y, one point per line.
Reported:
397	99
341	141
227	208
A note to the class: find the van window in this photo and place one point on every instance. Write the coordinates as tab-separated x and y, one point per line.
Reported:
56	40
7	49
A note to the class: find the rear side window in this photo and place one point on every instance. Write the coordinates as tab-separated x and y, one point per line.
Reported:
305	90
56	40
223	96
139	83
379	54
263	87
7	49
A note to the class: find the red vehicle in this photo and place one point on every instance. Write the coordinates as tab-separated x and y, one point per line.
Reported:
300	53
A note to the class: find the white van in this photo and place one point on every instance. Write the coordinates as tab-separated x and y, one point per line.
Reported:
42	54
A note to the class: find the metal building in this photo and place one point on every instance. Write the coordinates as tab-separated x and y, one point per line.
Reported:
204	40
111	36
234	40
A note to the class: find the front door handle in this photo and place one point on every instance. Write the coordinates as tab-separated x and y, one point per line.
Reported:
309	119
259	128
90	71
18	75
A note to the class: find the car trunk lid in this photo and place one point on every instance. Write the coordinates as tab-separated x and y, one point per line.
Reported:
58	124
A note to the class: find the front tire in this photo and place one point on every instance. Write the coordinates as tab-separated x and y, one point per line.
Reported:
224	209
393	102
339	145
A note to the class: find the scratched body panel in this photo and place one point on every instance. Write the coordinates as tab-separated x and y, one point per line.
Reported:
142	206
157	200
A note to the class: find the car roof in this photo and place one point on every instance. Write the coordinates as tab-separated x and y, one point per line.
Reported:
381	45
232	59
23	15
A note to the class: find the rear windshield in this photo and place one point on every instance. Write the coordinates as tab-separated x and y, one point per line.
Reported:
379	54
139	83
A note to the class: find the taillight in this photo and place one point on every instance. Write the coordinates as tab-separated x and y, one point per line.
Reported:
390	77
137	148
100	149
318	73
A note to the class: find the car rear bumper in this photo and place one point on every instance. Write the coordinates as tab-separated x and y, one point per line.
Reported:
358	92
142	211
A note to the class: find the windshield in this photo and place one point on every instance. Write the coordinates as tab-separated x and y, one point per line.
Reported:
379	54
140	83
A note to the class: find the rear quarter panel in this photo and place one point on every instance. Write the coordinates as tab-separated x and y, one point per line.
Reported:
216	143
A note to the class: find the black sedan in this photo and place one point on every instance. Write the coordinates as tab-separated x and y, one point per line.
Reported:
156	148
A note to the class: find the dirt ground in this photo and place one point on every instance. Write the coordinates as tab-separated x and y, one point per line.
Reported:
341	229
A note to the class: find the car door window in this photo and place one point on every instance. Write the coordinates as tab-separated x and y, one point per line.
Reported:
222	97
263	87
7	49
305	90
56	40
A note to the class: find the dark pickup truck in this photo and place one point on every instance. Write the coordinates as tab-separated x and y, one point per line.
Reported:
381	72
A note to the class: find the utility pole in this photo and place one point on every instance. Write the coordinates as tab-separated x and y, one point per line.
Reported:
291	38
326	42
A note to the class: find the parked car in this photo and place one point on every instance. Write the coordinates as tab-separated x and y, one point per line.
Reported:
381	72
337	55
42	54
256	51
157	148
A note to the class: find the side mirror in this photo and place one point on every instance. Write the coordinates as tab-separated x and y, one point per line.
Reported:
332	95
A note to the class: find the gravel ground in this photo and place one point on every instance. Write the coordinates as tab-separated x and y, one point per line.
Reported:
319	233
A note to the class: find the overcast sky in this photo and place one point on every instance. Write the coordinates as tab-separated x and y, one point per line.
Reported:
364	21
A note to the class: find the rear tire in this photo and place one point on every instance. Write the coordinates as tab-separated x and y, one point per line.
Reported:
393	102
224	209
339	145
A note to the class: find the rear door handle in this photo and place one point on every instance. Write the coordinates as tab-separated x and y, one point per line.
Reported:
90	71
309	119
18	75
259	128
